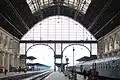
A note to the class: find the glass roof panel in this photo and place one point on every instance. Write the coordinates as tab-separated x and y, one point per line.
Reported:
58	28
81	5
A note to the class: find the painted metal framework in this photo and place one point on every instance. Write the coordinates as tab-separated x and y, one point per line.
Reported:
80	5
57	41
98	16
58	36
55	48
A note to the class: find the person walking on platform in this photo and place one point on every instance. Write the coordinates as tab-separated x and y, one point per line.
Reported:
93	75
5	71
96	73
19	69
85	74
89	75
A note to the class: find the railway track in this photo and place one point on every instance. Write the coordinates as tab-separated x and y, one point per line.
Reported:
40	76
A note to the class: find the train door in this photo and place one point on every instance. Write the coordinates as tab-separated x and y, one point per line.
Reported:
81	68
94	66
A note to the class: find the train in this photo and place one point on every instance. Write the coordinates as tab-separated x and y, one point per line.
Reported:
107	67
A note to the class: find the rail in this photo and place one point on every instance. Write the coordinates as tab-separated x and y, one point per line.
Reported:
39	76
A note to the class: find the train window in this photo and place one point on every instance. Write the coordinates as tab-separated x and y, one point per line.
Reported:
112	67
106	66
103	66
117	66
109	66
113	61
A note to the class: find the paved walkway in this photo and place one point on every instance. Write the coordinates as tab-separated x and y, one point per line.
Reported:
2	75
60	76
81	77
56	76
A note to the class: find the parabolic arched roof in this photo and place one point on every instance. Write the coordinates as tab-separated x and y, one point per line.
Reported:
98	16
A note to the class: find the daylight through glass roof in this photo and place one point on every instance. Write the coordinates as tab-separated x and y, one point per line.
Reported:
58	28
80	5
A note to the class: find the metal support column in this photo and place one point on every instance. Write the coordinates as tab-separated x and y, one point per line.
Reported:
73	64
61	59
91	48
25	54
54	57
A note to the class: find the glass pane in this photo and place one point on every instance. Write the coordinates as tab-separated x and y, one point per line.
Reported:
62	28
34	5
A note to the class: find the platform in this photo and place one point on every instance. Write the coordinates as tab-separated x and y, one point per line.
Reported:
2	75
56	76
61	76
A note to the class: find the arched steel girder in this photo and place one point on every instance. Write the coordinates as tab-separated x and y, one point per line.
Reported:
31	19
39	44
54	50
33	46
76	44
64	11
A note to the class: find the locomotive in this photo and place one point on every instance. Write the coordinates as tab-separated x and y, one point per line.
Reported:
107	67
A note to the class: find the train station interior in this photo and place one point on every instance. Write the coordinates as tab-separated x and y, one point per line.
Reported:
59	37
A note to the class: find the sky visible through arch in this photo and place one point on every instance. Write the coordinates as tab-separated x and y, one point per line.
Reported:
58	28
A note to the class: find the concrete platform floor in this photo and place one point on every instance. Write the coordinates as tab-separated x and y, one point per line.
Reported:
60	76
2	75
56	76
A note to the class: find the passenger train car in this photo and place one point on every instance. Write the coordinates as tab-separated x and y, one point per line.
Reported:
107	67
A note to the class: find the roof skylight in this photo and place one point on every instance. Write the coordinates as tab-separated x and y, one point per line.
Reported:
80	5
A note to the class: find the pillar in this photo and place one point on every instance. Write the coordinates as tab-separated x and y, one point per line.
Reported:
3	56
5	60
12	61
1	59
15	61
18	63
8	56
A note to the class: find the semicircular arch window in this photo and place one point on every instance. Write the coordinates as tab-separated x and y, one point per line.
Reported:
58	28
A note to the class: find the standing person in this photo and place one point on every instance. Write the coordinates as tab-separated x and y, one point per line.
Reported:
5	71
90	74
96	74
93	75
81	68
85	74
19	69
